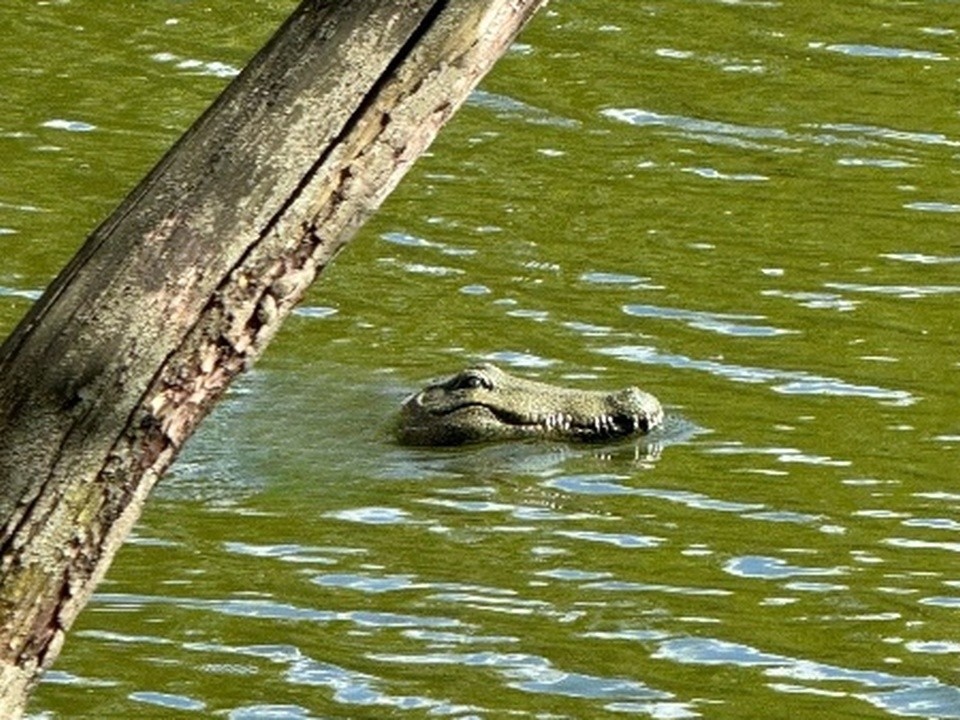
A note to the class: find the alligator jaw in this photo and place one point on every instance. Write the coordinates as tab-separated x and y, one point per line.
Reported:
486	404
566	425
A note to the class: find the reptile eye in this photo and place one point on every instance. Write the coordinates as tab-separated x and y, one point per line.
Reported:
471	382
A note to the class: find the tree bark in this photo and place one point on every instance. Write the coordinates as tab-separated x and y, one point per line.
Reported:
181	288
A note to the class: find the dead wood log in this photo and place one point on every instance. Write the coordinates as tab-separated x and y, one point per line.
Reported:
182	287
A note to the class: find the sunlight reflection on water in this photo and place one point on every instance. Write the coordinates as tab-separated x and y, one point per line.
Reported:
648	196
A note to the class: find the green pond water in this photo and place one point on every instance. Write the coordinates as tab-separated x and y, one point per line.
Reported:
747	208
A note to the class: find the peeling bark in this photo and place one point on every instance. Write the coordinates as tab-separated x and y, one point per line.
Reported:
183	286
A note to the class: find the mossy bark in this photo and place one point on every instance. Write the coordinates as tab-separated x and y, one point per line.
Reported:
183	286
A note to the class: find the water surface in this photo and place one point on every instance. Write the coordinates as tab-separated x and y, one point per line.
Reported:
747	208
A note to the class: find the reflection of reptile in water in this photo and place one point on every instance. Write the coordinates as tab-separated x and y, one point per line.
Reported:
484	403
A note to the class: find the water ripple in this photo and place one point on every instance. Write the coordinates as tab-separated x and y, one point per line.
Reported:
933	647
292	553
351	687
904	292
438	638
265	609
919	696
633	282
372	515
498	603
726	64
783	454
314	311
408	240
874	131
923	258
879	51
934	523
770	568
752	137
168	700
626	586
720	323
816	300
914	544
710	173
18	293
784	381
20	207
270	712
60	677
508	107
536	674
622	540
367	583
573	574
213	68
423	268
591	484
884	163
74	126
588	329
609	485
697	501
647	118
937	207
555	682
519	359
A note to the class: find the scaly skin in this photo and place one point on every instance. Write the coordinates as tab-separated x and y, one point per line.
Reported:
484	403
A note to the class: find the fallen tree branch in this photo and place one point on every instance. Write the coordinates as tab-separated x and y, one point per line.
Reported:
187	281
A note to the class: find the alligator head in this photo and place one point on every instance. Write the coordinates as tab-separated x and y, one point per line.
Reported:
484	403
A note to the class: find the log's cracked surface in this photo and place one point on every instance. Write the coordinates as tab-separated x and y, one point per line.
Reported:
183	286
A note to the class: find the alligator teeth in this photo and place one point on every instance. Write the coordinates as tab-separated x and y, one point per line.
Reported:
552	422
